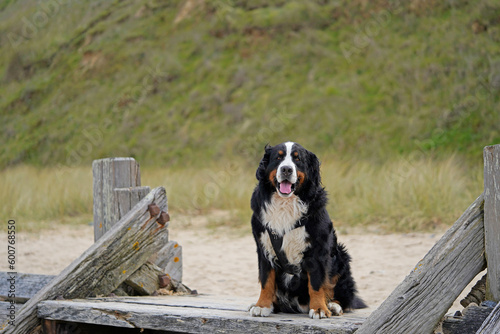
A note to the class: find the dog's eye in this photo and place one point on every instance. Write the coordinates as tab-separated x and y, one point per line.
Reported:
297	159
278	157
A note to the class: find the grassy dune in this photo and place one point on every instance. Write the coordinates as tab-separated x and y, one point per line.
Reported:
398	196
170	86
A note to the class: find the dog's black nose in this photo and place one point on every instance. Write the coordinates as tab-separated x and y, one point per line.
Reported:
286	171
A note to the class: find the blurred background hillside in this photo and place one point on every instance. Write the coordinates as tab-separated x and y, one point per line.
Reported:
397	98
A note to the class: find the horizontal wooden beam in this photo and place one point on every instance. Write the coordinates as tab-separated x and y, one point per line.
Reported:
188	314
27	285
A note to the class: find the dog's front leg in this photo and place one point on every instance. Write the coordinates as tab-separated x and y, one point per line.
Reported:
264	306
318	295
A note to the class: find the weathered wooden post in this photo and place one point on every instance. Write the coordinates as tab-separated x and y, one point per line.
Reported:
117	188
492	220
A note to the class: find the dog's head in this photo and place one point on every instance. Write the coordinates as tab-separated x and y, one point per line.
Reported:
289	168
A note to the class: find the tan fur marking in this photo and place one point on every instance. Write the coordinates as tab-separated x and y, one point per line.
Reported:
268	292
318	298
301	176
272	177
329	288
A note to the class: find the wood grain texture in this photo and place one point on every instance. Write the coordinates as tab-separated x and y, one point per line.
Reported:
170	313
468	323
145	279
420	301
169	259
108	174
492	220
27	285
492	322
5	312
106	264
127	198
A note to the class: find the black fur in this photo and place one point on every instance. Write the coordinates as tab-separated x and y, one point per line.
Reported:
325	258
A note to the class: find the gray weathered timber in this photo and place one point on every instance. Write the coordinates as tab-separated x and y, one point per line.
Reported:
170	260
468	323
106	264
421	300
492	323
169	313
145	279
127	198
109	174
492	220
5	312
27	285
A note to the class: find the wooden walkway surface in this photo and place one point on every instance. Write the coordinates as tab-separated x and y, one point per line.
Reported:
191	314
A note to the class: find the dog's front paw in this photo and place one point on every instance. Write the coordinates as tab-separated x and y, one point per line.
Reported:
257	311
335	308
319	313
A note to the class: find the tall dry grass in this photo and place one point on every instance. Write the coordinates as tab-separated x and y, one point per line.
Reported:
402	195
36	197
397	196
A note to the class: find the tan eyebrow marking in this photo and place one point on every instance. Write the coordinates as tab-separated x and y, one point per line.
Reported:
280	152
296	154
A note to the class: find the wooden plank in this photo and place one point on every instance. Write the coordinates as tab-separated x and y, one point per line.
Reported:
108	174
468	323
127	198
106	264
191	320
145	279
492	322
169	259
492	220
27	285
190	301
6	311
421	300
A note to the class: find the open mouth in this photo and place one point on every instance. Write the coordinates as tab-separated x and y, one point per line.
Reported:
286	187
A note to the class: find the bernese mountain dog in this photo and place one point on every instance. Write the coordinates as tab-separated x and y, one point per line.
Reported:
302	267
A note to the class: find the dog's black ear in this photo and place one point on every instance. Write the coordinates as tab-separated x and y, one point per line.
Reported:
313	163
261	170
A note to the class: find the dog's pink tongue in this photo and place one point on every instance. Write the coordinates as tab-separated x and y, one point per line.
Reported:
285	187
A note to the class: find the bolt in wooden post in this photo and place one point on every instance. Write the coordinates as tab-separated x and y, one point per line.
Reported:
116	190
492	220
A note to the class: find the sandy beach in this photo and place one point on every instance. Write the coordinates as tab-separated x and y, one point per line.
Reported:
223	261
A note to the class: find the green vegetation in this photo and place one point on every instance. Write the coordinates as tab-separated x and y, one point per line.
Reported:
85	79
367	85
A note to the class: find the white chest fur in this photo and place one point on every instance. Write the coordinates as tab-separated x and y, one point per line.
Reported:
280	215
